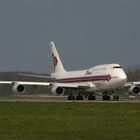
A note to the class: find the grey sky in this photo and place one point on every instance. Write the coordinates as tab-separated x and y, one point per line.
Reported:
86	33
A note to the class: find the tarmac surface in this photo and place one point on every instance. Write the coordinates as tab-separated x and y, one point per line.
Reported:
51	98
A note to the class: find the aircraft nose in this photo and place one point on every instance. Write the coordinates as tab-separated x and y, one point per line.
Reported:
123	77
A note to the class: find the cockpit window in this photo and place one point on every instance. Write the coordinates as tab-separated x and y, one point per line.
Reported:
117	67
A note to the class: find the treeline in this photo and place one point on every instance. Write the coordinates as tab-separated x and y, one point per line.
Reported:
15	76
133	75
6	89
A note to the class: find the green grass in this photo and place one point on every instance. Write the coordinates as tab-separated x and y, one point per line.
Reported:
69	121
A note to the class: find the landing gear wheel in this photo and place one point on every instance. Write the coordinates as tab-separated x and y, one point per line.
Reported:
71	97
115	98
106	98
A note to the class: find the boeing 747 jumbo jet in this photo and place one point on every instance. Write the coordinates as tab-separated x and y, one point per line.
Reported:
102	78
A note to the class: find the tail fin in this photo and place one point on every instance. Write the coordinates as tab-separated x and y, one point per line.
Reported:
58	66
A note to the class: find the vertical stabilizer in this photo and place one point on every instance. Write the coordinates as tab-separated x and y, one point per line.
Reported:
58	66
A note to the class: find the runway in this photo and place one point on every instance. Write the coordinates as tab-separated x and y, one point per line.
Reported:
51	98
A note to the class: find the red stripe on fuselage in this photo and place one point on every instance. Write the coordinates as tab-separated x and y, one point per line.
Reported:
84	79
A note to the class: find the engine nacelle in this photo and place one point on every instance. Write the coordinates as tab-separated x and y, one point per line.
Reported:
134	90
18	88
58	90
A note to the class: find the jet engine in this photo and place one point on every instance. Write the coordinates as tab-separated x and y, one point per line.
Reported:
17	88
135	90
58	90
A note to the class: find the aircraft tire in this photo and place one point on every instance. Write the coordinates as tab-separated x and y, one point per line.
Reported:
71	97
115	98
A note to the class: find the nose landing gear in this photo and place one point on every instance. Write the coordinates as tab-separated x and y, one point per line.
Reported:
115	98
106	98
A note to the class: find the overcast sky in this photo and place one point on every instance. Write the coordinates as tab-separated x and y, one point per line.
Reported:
86	33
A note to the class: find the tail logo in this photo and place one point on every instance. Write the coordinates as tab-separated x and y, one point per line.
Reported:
55	61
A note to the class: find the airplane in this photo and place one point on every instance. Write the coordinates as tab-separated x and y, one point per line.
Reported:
104	78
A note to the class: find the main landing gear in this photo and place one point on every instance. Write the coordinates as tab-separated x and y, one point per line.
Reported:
71	97
115	98
106	98
92	97
80	97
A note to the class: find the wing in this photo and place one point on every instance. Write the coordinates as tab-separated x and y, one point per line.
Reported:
132	83
34	83
133	87
69	85
26	83
19	86
6	82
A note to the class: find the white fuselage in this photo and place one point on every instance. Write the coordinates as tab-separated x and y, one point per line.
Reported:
98	78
